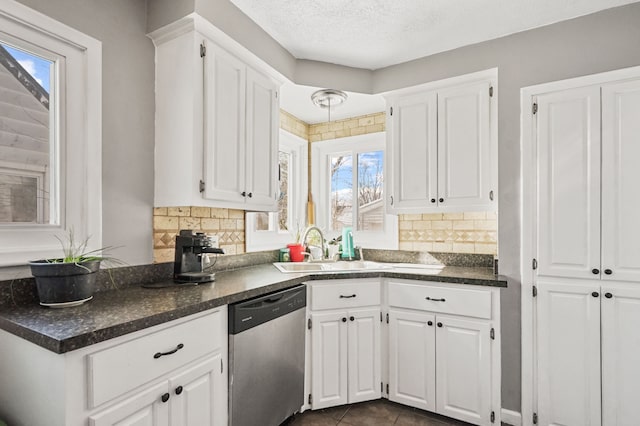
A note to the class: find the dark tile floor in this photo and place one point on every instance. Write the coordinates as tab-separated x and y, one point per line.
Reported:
380	412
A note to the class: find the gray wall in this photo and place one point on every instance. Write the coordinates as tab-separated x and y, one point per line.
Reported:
127	116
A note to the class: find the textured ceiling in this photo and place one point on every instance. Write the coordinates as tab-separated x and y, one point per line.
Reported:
373	34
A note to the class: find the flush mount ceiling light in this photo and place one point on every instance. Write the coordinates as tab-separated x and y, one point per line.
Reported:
327	98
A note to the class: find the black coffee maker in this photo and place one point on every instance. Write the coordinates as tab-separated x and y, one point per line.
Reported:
191	250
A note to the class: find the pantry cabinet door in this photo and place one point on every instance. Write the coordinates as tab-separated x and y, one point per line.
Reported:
224	118
414	153
620	349
568	351
568	183
621	181
329	359
412	359
263	117
364	355
463	369
465	147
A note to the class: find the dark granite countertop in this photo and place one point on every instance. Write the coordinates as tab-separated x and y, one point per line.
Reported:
118	312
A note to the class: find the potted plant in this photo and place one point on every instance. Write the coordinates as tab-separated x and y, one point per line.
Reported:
68	280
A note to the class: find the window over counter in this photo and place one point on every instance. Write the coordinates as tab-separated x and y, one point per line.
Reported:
349	182
50	135
272	230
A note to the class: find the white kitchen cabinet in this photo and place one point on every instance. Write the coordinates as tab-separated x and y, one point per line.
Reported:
620	315
443	351
568	351
170	374
443	147
345	343
216	122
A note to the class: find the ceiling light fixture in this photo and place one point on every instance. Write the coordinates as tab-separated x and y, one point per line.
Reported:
327	98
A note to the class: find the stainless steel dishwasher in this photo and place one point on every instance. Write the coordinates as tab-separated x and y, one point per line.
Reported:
266	358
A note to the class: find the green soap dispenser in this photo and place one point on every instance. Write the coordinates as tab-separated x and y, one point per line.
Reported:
348	251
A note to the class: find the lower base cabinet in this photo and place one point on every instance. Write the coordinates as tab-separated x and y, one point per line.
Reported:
172	374
443	347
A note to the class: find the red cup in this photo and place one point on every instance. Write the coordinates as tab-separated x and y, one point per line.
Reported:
295	252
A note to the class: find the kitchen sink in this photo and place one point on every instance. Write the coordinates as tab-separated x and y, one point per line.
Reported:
330	266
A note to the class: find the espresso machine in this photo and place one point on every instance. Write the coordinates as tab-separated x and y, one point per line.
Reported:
191	255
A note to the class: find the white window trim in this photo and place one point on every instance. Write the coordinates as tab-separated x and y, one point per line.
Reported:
387	239
80	142
274	239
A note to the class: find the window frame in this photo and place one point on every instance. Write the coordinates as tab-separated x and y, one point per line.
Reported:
274	238
321	185
78	130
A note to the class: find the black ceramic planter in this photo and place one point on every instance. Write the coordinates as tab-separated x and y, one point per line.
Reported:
64	284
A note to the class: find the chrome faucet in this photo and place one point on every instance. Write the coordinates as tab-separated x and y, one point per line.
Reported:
306	234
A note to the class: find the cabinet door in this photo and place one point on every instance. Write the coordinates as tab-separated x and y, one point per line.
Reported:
464	146
414	152
364	355
568	181
620	178
144	409
329	359
568	352
197	395
262	141
463	369
620	349
224	118
412	359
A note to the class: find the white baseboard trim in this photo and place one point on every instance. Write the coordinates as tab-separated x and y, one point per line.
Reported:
512	418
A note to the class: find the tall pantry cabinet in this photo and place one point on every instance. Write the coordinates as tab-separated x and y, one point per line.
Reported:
582	232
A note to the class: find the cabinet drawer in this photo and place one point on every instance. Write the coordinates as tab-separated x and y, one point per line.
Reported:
344	294
434	298
121	368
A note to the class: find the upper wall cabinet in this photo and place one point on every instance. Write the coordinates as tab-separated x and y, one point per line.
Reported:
216	121
442	143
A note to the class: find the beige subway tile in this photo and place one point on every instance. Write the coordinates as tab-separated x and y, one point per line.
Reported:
357	131
161	223
228	224
463	224
236	214
342	133
486	248
422	224
190	223
315	138
374	128
492	215
200	212
423	246
336	125
475	215
322	128
432	216
210	224
239	224
240	248
179	211
366	121
443	247
380	118
490	225
405	224
159	211
441	224
453	216
405	245
219	213
350	124
463	247
163	255
328	135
